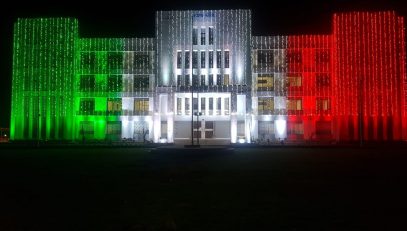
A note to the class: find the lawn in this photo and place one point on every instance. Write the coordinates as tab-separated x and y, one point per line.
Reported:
281	188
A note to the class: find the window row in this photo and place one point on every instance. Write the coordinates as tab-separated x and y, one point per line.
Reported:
116	60
201	35
113	83
269	58
87	106
203	59
206	106
203	80
265	105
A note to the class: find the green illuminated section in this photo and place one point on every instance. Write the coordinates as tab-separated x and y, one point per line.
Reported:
43	78
98	88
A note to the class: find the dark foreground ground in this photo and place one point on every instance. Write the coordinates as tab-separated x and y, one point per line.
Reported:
250	189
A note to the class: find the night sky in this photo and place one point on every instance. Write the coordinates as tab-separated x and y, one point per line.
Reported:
121	20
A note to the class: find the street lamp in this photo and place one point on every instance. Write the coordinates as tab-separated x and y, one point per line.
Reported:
197	114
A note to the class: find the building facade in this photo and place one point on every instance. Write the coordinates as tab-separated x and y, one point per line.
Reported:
204	75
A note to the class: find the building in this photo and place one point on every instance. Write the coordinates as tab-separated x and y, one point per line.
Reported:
205	66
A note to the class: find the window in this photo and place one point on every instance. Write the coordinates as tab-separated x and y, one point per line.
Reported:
141	83
87	106
202	80
265	106
115	60
87	83
226	79
294	81
322	80
210	106
218	80
265	83
195	104
179	59
195	80
203	59
210	35
265	58
294	56
114	106
195	36
323	104
179	106
218	105
187	60
187	82
86	128
187	106
294	104
114	83
141	106
88	60
295	128
203	36
210	80
203	106
226	106
114	128
195	59
218	59
210	59
226	59
141	60
322	56
179	80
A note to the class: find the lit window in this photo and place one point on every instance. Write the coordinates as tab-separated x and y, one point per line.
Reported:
294	104
265	83
226	79
294	81
265	106
210	106
323	104
179	106
114	106
141	106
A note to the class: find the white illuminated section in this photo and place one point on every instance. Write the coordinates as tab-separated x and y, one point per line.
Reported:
157	127
165	71
170	127
281	128
239	73
127	128
233	128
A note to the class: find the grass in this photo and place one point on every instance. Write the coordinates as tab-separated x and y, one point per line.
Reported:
251	189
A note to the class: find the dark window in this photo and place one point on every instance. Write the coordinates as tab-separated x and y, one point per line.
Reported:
115	60
294	57
141	83
202	80
322	56
210	35
187	59
226	59
179	59
203	36
187	83
323	80
179	80
218	59
218	79
195	104
87	83
210	59
87	106
88	60
210	80
114	83
203	59
195	59
195	36
265	58
141	60
195	80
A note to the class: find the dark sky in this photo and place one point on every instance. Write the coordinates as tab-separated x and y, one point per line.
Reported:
118	19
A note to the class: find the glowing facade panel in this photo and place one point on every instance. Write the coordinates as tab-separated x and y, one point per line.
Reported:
205	65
